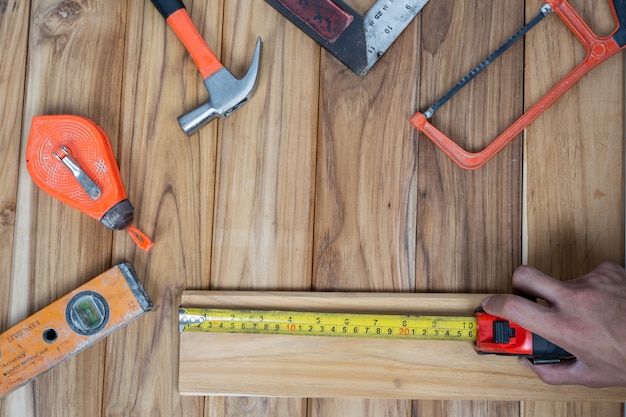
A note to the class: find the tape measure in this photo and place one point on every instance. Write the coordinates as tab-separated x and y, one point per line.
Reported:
490	334
69	325
383	326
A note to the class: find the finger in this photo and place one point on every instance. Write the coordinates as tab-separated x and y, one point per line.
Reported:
612	269
565	373
531	316
531	281
607	273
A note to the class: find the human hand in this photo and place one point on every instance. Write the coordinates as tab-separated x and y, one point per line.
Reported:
585	316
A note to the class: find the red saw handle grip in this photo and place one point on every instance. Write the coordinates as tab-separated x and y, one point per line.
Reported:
598	51
177	17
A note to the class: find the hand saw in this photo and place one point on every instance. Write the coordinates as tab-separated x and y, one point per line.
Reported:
69	325
358	41
490	334
598	50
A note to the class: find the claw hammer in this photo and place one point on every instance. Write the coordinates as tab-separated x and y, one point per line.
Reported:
226	93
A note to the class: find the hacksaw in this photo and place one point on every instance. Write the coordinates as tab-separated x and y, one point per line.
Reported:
358	41
598	49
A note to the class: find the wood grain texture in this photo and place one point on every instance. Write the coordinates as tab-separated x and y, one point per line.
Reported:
320	367
465	409
170	180
319	182
469	223
365	186
266	164
265	173
68	38
14	21
574	168
482	246
365	202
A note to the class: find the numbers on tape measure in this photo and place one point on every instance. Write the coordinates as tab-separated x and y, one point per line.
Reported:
327	324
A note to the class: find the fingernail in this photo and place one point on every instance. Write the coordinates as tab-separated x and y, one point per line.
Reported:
486	300
524	361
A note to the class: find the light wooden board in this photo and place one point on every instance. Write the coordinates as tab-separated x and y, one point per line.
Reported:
299	366
574	169
64	39
469	223
265	173
13	24
170	179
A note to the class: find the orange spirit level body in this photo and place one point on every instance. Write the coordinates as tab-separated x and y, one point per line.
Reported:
69	325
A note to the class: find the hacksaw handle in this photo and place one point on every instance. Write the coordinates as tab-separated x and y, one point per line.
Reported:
598	51
178	19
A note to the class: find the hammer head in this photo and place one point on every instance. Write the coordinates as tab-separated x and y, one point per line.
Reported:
226	94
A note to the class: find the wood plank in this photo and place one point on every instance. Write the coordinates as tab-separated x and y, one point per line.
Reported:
365	188
13	23
265	173
469	223
359	407
319	367
574	159
14	20
266	157
69	247
575	167
465	408
553	408
170	180
365	203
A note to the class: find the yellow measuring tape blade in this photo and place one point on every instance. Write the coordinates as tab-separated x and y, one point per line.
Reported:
308	323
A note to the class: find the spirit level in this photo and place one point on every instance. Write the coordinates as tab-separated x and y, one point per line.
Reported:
492	335
69	325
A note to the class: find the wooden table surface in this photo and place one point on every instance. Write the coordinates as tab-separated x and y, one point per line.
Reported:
318	183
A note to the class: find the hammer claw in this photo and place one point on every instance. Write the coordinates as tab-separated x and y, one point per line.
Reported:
226	93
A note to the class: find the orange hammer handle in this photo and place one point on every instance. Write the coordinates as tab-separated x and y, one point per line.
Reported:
598	51
178	19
